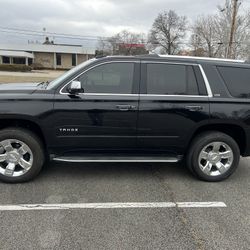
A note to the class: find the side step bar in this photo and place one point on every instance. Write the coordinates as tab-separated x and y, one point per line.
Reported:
116	159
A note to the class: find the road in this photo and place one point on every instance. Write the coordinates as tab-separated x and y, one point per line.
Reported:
126	228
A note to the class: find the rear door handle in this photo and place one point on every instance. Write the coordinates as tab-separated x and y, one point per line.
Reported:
125	107
194	108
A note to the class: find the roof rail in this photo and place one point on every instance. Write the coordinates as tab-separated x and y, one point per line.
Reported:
148	55
203	58
100	56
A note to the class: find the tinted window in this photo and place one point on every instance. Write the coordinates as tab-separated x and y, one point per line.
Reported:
237	80
109	78
73	59
18	60
169	79
6	59
58	59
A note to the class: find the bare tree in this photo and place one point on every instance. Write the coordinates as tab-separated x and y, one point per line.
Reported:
242	47
214	32
196	44
168	31
104	47
123	43
204	30
128	43
235	38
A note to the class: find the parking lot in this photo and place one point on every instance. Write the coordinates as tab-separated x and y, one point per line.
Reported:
130	227
104	226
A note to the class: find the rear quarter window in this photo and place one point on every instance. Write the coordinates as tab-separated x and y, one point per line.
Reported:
237	80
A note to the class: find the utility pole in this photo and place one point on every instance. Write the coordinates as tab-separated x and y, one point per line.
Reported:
233	26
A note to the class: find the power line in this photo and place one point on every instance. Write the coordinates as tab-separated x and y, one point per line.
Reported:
42	33
34	33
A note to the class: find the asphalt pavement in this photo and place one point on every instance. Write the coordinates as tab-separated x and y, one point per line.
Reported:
126	228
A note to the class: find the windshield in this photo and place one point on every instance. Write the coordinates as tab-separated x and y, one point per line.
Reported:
69	73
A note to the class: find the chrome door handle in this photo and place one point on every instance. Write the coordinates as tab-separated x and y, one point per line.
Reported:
194	108
125	107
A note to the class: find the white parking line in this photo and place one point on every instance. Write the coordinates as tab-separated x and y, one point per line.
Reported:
66	206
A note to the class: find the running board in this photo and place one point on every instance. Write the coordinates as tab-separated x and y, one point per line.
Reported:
116	159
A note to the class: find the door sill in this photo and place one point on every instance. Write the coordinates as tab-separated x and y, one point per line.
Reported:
107	158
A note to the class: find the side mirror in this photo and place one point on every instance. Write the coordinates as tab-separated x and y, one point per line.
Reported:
75	87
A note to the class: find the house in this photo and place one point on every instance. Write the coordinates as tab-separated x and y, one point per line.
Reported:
49	56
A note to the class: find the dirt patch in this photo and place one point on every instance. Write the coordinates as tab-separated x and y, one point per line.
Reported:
36	76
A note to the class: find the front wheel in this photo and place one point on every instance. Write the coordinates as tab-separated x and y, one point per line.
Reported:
213	156
21	155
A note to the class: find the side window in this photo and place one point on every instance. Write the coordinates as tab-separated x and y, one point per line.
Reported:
237	80
171	79
109	78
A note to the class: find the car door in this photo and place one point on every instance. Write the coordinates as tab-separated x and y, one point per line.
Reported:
173	103
105	115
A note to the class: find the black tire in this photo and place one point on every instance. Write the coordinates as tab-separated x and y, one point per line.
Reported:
199	143
36	147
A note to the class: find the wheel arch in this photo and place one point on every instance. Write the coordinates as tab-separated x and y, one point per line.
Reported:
28	124
235	131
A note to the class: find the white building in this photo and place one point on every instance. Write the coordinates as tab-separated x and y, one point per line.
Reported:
51	56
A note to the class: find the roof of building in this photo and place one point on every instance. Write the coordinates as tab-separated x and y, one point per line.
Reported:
16	53
48	48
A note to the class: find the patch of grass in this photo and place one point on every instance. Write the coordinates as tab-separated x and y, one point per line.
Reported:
16	79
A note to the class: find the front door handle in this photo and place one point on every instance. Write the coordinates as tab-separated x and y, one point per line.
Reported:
125	107
194	108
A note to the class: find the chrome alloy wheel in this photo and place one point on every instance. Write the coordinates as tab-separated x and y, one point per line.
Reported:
16	158
216	158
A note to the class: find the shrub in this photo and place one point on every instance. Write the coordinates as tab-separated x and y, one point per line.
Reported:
15	67
37	66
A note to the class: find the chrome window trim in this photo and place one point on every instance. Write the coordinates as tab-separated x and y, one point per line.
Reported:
209	91
207	85
104	94
193	96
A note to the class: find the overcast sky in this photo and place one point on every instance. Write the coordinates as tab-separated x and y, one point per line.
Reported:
91	17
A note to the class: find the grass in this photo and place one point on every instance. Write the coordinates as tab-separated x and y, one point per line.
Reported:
19	79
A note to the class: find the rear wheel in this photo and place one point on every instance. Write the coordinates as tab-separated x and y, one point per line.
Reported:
213	156
21	155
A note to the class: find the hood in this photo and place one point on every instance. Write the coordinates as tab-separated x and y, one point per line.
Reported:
18	87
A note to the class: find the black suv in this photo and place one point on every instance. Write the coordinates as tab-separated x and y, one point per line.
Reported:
130	109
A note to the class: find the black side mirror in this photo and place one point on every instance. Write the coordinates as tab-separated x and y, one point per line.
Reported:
75	87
